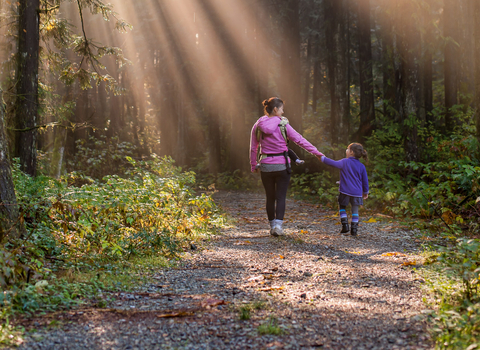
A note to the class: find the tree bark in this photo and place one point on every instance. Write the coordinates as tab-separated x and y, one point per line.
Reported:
26	108
9	215
336	65
477	65
409	82
367	107
428	64
450	20
290	82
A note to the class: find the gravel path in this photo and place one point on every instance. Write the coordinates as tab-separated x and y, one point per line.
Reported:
310	289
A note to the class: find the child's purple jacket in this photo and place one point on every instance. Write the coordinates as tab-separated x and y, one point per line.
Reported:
353	175
273	141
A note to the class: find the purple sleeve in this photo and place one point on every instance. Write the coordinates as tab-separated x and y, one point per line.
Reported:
335	163
365	181
301	141
253	148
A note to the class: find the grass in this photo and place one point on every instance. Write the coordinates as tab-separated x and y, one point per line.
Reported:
270	326
245	311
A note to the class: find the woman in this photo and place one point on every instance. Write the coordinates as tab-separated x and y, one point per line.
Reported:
273	158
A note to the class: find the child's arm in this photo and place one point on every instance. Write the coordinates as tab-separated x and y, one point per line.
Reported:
335	163
365	183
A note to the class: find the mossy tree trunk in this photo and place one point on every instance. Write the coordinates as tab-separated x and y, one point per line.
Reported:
477	65
26	108
9	223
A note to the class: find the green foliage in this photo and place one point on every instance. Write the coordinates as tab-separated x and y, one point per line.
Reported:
456	323
77	225
320	185
270	326
99	157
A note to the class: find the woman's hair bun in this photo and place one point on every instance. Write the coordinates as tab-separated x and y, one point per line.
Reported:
265	103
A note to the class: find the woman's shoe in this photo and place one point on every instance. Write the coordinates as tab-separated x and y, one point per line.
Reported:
354	228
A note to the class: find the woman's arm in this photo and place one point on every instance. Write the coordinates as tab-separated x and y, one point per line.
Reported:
253	147
301	141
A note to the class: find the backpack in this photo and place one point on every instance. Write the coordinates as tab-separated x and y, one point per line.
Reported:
283	129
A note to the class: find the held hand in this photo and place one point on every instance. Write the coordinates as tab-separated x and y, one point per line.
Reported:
320	157
365	195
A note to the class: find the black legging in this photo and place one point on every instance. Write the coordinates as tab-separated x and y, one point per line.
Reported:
276	185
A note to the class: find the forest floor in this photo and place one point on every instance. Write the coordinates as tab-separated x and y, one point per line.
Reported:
312	288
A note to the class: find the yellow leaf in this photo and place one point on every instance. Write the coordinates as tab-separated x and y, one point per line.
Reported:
393	254
281	257
409	263
371	220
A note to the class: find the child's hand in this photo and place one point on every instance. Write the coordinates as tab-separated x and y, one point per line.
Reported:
365	195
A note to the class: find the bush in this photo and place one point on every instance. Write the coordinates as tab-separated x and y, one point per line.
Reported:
153	210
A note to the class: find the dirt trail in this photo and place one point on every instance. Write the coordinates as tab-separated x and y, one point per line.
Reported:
315	287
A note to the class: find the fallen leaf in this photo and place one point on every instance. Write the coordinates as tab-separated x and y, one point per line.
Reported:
393	254
212	302
281	257
346	251
371	220
409	263
266	289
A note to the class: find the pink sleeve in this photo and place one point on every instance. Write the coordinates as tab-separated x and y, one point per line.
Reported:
253	147
301	141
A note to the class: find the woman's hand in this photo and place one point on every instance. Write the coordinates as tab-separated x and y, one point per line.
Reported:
365	195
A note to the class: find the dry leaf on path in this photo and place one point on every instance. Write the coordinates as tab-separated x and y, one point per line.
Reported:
409	263
393	254
371	220
266	289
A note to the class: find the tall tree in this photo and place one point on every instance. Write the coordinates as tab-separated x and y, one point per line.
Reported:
477	64
367	107
450	29
290	68
336	66
26	110
9	216
408	48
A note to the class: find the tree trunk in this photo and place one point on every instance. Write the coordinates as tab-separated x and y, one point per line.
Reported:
428	64
388	68
409	82
477	65
332	16
450	19
9	216
367	107
27	85
308	70
290	82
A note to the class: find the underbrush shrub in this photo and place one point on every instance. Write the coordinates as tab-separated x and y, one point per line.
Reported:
454	281
151	210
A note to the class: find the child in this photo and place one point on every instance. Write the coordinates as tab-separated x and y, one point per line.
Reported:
353	184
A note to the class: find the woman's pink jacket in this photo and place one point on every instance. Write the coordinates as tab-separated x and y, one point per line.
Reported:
272	141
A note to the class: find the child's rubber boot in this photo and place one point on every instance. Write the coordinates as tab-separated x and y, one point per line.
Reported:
345	227
354	228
